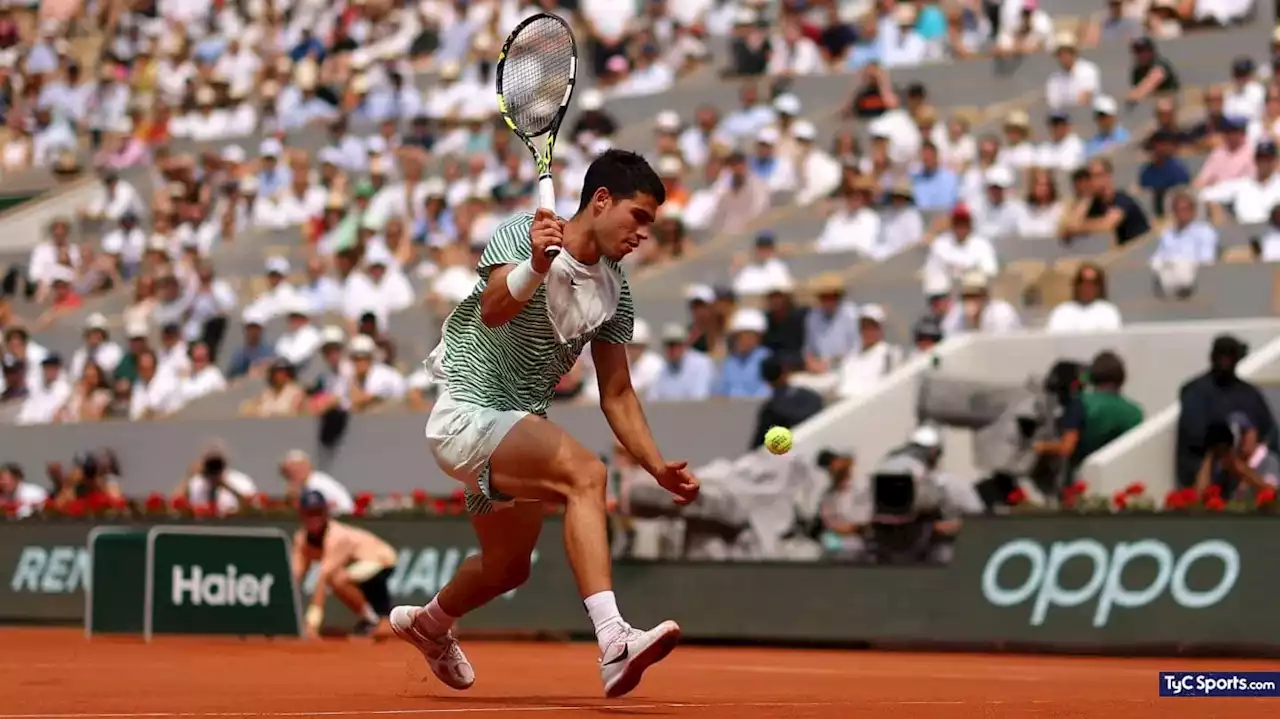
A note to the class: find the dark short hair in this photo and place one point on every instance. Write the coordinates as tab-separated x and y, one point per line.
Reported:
624	174
1107	369
772	369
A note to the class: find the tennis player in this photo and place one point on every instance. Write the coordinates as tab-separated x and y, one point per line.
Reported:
354	563
503	350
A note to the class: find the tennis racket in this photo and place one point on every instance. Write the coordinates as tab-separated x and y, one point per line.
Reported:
536	73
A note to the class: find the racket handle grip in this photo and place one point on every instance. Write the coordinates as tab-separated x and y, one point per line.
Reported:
547	201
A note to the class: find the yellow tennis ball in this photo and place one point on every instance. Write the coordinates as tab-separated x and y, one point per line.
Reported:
778	440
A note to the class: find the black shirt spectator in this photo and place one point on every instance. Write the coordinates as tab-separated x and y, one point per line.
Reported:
15	380
1211	399
1133	223
788	406
785	332
1151	73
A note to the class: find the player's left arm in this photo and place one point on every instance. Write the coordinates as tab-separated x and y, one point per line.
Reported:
622	408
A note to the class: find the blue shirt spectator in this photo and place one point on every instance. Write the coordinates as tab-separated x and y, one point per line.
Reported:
935	190
687	375
740	375
247	356
1187	239
1164	171
830	327
1109	133
931	23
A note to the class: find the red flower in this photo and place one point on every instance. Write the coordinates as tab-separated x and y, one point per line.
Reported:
419	497
459	495
181	504
1121	499
203	510
155	503
358	511
1076	489
1214	504
8	508
1016	497
1135	489
1188	496
75	508
1175	499
98	501
1212	491
438	505
1266	496
363	500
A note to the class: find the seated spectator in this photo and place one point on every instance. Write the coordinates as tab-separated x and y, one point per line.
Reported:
113	199
372	383
1075	82
1255	196
155	391
94	478
1213	398
687	374
935	187
25	498
1166	114
954	253
1103	208
279	295
842	512
765	269
1064	150
281	397
174	355
89	397
300	340
1018	152
391	291
973	180
49	255
788	406
998	215
126	244
1088	310
645	364
911	49
1164	171
1245	97
1207	134
1237	462
13	381
831	326
817	173
1044	208
1109	134
1227	164
1187	244
925	335
1267	247
739	374
861	371
772	168
1033	33
97	347
300	475
1115	27
202	379
253	355
784	334
145	300
1107	414
1151	73
978	311
43	402
855	225
214	483
739	197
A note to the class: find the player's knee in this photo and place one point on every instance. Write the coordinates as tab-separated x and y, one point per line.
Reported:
585	477
509	574
340	578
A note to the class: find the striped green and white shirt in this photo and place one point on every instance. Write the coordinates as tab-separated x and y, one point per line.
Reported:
517	366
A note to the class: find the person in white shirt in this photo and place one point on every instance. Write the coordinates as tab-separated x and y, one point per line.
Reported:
901	224
24	497
1043	207
1088	310
1255	196
855	227
1183	247
955	253
998	215
1246	96
1064	150
906	47
1032	33
112	199
321	292
203	377
371	382
97	347
393	293
173	356
645	363
208	122
43	402
1019	152
300	475
1076	81
126	244
794	54
978	311
45	256
764	270
217	485
773	168
280	295
862	370
155	392
687	375
301	339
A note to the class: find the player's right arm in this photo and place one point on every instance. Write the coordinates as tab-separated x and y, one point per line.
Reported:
516	272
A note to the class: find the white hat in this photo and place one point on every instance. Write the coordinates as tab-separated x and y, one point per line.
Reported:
592	100
1176	277
600	146
974	281
670	166
673	332
233	153
699	293
1105	105
270	147
450	70
926	435
744	16
332	335
277	265
376	145
254	316
297	306
668	121
787	104
137	329
330	156
249	184
768	136
748	320
872	312
362	345
96	321
804	130
378	255
783	285
999	176
640	333
62	273
158	243
433	187
936	284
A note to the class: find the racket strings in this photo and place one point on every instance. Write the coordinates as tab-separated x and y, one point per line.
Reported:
537	70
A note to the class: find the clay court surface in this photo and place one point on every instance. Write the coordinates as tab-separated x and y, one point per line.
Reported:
58	674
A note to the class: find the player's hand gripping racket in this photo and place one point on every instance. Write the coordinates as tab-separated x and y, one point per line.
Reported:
536	71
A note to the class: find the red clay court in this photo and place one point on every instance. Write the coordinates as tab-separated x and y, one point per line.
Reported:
58	674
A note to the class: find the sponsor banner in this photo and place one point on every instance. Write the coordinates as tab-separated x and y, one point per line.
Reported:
1069	582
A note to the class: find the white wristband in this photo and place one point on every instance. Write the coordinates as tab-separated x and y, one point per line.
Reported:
314	616
523	281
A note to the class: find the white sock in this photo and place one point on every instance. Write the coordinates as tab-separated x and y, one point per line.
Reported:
602	607
433	620
369	615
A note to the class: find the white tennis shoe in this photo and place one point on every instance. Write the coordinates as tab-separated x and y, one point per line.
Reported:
443	654
624	662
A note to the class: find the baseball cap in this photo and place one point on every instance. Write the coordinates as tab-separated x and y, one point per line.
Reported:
926	436
277	266
312	501
1105	105
787	104
748	320
699	293
362	345
804	130
999	176
872	312
668	121
1266	148
928	328
673	333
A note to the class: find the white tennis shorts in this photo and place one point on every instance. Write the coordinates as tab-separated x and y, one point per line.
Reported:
463	437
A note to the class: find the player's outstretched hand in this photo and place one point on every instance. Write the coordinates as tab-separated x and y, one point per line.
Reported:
676	478
547	231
